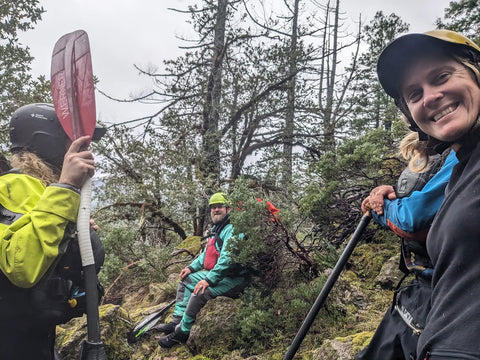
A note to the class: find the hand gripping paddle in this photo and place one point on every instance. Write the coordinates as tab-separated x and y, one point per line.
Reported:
74	100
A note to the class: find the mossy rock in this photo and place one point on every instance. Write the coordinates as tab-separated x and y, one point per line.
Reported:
339	348
368	260
214	330
150	295
344	348
114	326
361	340
192	244
390	274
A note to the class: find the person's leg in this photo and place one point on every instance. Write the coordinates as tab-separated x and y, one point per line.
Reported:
387	340
230	287
189	310
184	292
394	339
195	304
227	287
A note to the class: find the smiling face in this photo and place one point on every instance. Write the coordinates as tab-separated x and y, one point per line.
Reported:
442	97
218	212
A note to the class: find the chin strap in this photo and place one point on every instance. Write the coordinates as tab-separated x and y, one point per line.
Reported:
421	135
441	146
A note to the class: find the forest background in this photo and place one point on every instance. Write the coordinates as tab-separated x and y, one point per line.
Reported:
259	107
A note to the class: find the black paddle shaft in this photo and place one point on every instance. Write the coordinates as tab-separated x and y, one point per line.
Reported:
332	278
91	298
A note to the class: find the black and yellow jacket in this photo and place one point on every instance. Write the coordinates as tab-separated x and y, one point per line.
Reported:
34	221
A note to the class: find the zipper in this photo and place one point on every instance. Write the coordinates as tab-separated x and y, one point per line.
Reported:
408	319
450	354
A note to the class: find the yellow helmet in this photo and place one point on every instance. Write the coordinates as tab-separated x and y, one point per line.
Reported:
400	52
219	198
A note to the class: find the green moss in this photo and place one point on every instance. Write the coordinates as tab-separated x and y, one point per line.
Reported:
368	259
362	339
191	243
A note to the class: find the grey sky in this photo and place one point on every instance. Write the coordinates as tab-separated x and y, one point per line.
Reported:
142	32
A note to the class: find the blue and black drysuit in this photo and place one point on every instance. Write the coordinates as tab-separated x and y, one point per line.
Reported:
224	277
409	217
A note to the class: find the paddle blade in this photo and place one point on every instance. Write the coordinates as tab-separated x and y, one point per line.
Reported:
72	84
142	328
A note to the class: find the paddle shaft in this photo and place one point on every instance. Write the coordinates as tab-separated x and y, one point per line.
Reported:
332	278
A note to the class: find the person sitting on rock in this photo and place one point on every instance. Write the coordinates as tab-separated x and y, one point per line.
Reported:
210	275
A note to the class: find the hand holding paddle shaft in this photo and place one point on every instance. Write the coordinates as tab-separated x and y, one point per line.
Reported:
74	100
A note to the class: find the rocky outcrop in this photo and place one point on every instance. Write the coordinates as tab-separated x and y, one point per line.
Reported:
114	325
213	336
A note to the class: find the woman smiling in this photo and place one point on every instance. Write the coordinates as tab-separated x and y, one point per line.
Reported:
434	79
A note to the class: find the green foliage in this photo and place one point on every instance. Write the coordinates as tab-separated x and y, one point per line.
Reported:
272	322
151	180
326	254
267	248
248	216
341	180
258	322
462	16
382	246
116	245
17	85
373	108
253	249
257	329
130	262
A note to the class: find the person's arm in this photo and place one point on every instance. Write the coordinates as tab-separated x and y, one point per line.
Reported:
410	217
46	217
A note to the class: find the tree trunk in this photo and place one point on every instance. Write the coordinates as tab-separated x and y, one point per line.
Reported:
210	155
329	125
290	113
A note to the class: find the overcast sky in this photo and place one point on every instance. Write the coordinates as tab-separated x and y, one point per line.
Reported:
143	32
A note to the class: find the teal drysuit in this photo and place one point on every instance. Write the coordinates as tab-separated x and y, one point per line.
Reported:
225	279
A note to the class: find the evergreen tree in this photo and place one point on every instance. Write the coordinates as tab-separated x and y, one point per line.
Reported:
462	16
373	108
17	87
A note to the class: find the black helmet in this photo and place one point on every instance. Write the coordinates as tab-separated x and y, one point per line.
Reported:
400	52
36	128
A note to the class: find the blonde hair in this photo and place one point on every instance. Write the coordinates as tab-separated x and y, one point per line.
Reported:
415	152
30	164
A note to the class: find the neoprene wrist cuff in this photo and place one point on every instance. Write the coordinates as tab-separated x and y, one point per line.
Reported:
66	186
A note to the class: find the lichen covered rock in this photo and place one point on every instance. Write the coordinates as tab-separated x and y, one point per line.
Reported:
114	322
